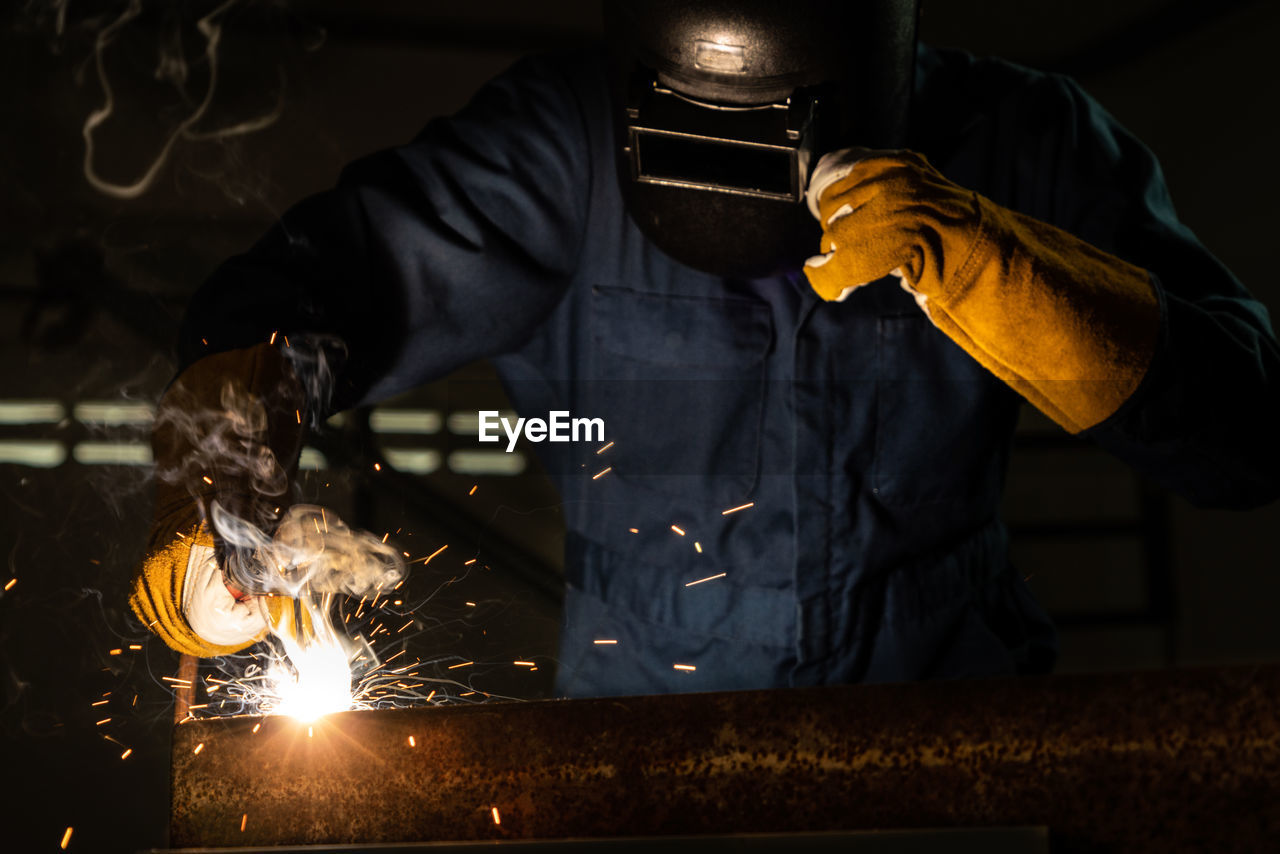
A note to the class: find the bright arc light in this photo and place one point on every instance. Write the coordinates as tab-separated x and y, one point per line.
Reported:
318	683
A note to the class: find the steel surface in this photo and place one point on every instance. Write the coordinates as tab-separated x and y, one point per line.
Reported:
1172	760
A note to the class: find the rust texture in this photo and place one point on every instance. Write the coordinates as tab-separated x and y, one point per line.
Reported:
1171	760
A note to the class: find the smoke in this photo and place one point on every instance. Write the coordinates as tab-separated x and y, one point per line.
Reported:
228	443
311	550
315	359
171	67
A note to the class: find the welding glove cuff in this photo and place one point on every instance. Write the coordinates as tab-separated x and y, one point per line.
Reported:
1069	327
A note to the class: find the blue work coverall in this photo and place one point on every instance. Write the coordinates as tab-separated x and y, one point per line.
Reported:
872	448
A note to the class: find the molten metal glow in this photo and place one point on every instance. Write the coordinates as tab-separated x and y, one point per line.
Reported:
318	682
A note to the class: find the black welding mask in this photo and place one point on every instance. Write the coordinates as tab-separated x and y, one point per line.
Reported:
722	108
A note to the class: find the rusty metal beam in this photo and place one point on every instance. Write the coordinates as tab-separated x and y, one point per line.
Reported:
1168	760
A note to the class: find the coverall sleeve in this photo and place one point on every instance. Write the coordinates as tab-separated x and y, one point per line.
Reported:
425	257
1206	418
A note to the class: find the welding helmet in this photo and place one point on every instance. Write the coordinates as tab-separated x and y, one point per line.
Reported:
722	108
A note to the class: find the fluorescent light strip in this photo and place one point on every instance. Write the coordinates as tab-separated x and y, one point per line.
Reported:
406	421
31	412
468	423
111	454
44	455
113	413
486	462
311	459
413	460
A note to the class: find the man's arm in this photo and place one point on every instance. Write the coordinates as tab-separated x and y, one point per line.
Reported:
422	258
1104	312
1204	421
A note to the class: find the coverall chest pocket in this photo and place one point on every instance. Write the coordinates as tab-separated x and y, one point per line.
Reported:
680	383
942	420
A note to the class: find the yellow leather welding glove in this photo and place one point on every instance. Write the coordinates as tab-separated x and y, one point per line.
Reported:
228	429
1068	326
179	594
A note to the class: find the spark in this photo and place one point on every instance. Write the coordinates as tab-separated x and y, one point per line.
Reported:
524	664
103	721
199	747
471	604
386	536
127	753
468	563
602	474
678	530
286	340
697	547
602	642
100	702
432	694
298	412
244	819
463	664
378	467
273	337
9	586
605	448
473	489
426	560
115	652
256	727
634	530
708	578
66	839
736	509
497	819
398	631
412	743
686	667
175	680
207	480
135	646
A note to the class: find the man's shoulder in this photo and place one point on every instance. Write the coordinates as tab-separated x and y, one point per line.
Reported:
950	72
575	70
957	92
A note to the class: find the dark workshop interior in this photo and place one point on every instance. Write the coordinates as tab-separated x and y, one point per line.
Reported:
105	232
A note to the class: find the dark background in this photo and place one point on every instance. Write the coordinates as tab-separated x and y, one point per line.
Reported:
92	284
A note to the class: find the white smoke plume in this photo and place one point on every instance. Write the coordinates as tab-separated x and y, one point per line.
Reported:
227	440
312	549
172	67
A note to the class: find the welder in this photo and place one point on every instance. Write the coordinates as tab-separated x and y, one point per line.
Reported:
794	260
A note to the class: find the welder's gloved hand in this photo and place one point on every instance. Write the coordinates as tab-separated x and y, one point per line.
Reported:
1069	327
213	611
229	430
179	594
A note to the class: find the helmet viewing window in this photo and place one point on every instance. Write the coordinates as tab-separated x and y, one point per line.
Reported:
759	150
